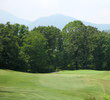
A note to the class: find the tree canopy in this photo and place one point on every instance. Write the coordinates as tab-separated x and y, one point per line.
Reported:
47	48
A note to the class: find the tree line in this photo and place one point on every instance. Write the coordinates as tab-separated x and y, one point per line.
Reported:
48	49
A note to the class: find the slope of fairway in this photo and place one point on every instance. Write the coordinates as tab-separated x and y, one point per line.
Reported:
64	85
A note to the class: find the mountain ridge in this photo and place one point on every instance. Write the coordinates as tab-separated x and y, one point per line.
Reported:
6	16
57	20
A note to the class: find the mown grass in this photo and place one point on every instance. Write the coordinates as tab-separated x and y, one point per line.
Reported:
64	85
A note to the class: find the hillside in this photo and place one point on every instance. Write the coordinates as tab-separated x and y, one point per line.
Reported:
5	17
60	21
57	20
65	85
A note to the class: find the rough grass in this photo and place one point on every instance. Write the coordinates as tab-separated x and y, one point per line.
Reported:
64	85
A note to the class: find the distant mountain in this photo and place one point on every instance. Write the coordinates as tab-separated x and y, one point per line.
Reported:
57	20
99	26
60	21
5	17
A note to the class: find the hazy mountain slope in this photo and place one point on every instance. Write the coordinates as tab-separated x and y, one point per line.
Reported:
99	26
60	21
57	20
5	17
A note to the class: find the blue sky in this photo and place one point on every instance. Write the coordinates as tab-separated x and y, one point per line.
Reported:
97	11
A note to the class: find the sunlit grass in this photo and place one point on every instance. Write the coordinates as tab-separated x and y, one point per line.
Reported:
64	85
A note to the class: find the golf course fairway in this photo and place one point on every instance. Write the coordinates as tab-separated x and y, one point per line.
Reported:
63	85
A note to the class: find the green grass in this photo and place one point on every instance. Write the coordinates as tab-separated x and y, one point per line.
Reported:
64	85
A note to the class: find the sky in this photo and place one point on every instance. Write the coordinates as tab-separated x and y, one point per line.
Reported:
96	11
